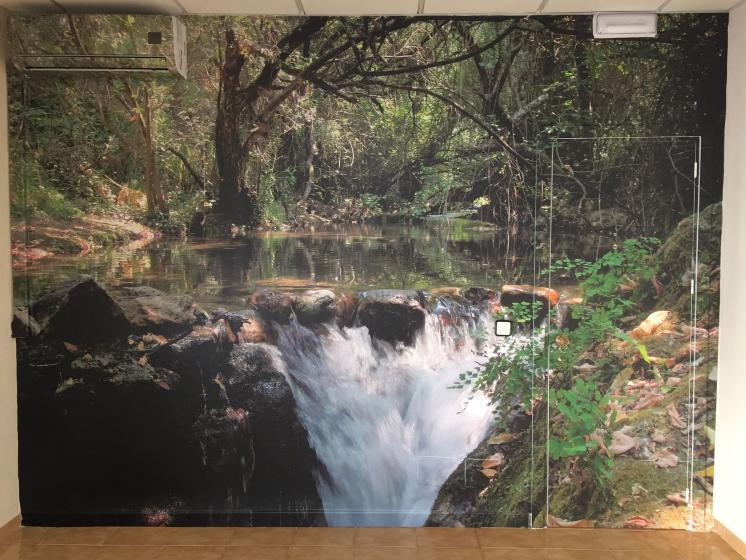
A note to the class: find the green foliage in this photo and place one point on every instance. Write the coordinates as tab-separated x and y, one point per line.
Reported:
583	420
605	298
523	312
30	197
520	366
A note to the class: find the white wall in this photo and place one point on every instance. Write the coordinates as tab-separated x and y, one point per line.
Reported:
730	453
8	416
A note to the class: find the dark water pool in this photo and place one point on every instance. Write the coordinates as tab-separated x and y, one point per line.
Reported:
354	257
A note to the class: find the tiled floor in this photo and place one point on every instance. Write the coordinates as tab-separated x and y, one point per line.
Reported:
128	543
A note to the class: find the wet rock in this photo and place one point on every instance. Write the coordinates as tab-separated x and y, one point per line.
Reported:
198	348
284	459
344	309
564	319
525	293
248	326
224	435
274	306
392	315
480	295
23	324
255	384
315	306
197	357
150	310
80	311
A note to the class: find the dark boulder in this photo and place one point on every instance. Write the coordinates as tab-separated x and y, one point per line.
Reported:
392	315
565	317
478	295
284	461
23	324
248	325
315	306
153	311
80	311
344	309
274	306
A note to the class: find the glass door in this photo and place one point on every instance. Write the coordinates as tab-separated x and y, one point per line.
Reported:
630	348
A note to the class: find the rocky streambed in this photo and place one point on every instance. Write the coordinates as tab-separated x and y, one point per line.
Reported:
140	407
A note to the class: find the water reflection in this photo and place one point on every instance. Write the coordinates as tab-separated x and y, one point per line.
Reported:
353	257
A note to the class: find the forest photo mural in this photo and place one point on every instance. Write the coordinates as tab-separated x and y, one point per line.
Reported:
265	292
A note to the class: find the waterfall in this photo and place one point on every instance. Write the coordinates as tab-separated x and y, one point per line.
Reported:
386	426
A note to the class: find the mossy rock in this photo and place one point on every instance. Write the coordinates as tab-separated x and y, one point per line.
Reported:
674	258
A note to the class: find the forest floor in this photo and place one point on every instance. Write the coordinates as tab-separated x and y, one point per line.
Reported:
76	237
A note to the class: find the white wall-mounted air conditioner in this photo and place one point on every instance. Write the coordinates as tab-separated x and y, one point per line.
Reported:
91	44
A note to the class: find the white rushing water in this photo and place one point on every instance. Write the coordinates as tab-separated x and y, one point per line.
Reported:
384	423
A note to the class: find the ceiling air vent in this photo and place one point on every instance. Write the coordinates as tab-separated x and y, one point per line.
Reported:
110	45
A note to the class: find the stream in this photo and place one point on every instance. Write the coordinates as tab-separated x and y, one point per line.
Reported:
384	422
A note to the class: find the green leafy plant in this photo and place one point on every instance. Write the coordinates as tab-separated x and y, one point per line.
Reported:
583	423
520	366
523	312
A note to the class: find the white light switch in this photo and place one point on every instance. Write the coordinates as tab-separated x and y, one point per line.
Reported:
503	328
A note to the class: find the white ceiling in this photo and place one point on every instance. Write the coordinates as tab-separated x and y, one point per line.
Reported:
366	7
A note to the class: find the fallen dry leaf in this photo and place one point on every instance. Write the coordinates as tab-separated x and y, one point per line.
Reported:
638	489
675	417
677	499
665	458
599	439
656	321
673	381
489	473
649	400
555	522
501	438
143	361
658	436
624	501
638	522
621	442
155	339
494	461
70	347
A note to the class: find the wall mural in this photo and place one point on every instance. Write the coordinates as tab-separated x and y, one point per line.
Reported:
265	294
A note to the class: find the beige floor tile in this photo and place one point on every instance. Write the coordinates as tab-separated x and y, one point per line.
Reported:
24	535
447	537
577	554
77	535
625	539
712	552
256	553
432	553
320	553
375	536
385	553
263	536
191	553
10	552
205	536
123	552
324	536
646	554
514	554
59	552
511	538
586	539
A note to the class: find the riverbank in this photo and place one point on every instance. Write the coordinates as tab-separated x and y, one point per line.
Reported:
78	237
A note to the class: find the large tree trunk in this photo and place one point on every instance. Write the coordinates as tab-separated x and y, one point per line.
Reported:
236	200
153	189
